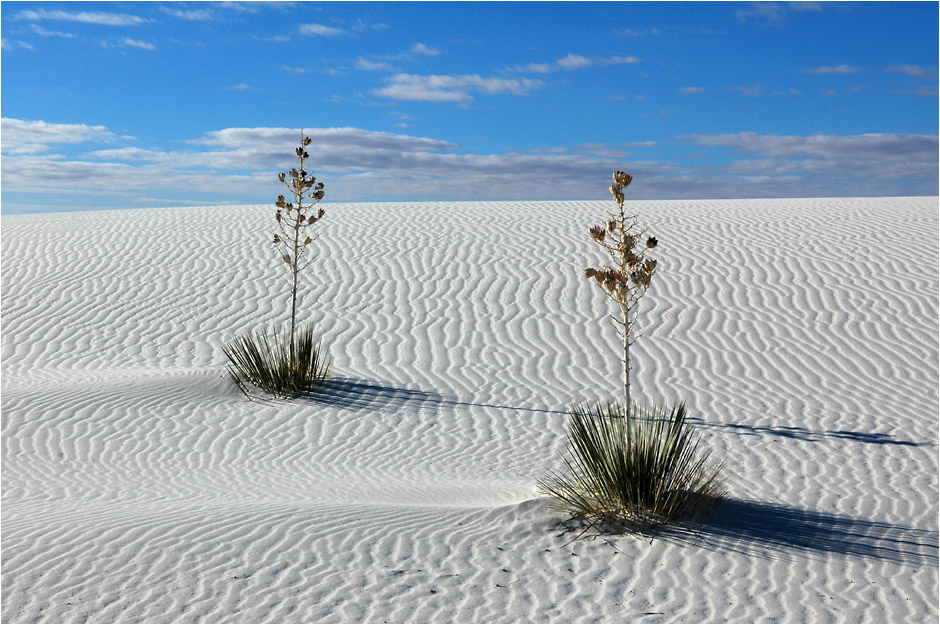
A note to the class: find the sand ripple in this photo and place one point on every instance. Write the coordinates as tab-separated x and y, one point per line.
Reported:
139	485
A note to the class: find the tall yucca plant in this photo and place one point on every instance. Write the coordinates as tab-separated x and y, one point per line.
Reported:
293	218
626	279
286	366
642	467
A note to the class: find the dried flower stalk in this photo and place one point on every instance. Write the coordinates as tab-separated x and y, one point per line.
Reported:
628	277
293	218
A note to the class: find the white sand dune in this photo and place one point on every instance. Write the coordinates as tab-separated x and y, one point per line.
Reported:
138	484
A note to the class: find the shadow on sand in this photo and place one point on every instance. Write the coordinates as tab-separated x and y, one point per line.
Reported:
749	527
365	395
753	527
801	433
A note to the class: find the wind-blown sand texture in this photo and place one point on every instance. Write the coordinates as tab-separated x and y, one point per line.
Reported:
140	485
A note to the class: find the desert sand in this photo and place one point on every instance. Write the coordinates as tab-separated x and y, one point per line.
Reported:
139	484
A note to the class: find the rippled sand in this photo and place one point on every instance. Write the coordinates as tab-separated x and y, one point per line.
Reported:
138	484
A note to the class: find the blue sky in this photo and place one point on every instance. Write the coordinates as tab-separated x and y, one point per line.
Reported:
125	104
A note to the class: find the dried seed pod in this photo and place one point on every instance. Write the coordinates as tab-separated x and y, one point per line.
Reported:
598	233
280	202
285	258
312	220
306	141
277	216
651	243
299	152
590	272
308	241
321	213
281	176
611	226
319	186
622	179
277	239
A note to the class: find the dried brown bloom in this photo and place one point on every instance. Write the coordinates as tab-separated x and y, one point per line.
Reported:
651	243
622	179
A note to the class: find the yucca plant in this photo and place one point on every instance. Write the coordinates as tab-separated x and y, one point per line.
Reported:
628	276
286	366
642	468
279	366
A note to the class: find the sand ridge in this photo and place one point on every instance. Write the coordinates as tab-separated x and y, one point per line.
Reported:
140	485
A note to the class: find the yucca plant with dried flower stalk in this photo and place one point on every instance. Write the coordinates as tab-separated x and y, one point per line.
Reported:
286	366
642	468
293	219
626	279
627	464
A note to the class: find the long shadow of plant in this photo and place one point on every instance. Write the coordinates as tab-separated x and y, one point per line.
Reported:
365	395
806	434
754	527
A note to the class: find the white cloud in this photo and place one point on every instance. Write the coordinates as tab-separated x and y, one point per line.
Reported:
929	91
373	66
767	12
912	70
33	137
837	149
134	43
319	29
357	164
535	68
442	88
631	32
750	91
39	30
840	70
574	61
691	90
198	15
619	60
103	19
423	50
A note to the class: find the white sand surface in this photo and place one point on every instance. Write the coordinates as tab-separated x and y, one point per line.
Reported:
139	485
